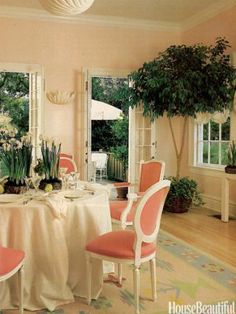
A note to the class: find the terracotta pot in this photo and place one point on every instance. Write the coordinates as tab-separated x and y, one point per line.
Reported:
178	205
230	169
122	192
56	184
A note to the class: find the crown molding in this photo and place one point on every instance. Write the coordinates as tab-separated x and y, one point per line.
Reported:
207	14
112	21
109	21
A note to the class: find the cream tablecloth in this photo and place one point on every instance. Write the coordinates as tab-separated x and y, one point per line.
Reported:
55	266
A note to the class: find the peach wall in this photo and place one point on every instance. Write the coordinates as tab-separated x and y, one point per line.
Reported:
223	25
63	49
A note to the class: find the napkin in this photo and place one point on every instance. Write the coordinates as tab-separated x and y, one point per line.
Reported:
58	205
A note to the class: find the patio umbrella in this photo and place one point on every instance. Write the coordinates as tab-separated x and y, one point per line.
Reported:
103	111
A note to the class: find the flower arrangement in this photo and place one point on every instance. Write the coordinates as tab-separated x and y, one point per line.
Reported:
49	164
51	156
16	156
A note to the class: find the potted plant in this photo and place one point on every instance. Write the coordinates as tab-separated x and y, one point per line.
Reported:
16	156
183	81
182	195
231	166
49	165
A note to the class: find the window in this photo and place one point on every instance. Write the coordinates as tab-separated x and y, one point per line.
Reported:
212	143
20	100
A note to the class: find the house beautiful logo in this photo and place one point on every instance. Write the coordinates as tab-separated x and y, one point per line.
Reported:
224	307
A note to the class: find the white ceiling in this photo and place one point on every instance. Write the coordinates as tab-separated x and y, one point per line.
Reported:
155	13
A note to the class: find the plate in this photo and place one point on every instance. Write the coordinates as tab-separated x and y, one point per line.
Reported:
73	195
10	198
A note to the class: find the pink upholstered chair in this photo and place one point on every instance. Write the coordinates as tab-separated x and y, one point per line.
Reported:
66	155
122	212
133	246
11	262
68	164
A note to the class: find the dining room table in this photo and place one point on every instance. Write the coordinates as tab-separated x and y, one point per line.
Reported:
53	230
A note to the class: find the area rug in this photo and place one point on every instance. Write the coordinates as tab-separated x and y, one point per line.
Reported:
185	276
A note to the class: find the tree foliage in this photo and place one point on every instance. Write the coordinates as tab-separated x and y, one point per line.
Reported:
113	91
184	80
14	100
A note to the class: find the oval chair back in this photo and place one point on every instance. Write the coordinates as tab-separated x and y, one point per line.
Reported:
68	164
148	216
150	172
11	262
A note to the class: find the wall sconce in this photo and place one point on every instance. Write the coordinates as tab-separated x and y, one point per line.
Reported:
60	97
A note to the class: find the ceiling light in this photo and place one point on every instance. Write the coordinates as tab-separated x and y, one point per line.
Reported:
66	7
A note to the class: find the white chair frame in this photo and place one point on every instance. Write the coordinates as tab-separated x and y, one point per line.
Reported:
140	237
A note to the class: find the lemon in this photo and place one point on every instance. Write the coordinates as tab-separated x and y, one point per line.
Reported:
48	188
1	189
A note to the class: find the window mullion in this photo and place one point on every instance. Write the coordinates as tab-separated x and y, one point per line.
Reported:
209	143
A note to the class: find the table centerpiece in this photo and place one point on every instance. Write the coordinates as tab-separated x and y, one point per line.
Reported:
49	164
16	156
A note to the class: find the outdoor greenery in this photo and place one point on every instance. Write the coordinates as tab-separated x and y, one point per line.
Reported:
112	135
14	100
182	81
232	155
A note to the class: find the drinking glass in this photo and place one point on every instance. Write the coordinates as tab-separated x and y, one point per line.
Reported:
35	182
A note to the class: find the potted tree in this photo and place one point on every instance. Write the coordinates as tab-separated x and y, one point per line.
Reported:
231	166
183	81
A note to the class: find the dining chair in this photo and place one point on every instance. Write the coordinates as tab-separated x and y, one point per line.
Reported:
11	262
122	211
68	164
66	155
133	247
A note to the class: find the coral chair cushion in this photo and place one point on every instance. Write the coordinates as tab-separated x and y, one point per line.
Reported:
117	207
68	164
9	259
118	244
150	174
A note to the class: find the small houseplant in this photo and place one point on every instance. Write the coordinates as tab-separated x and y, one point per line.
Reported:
182	194
231	165
16	156
50	164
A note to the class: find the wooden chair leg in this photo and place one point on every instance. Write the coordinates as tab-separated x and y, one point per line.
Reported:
136	273
152	263
120	273
21	289
89	278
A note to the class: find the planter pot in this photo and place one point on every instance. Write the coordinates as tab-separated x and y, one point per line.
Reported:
229	169
56	184
12	188
178	205
122	193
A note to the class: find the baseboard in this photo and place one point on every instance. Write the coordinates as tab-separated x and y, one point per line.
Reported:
214	203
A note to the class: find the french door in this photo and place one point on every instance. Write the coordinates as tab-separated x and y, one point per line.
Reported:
142	141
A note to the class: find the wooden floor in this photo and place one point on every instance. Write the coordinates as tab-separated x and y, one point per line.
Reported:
199	228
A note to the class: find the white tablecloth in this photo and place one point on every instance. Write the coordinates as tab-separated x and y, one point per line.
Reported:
55	266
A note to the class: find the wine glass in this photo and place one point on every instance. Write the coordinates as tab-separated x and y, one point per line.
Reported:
27	183
35	182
